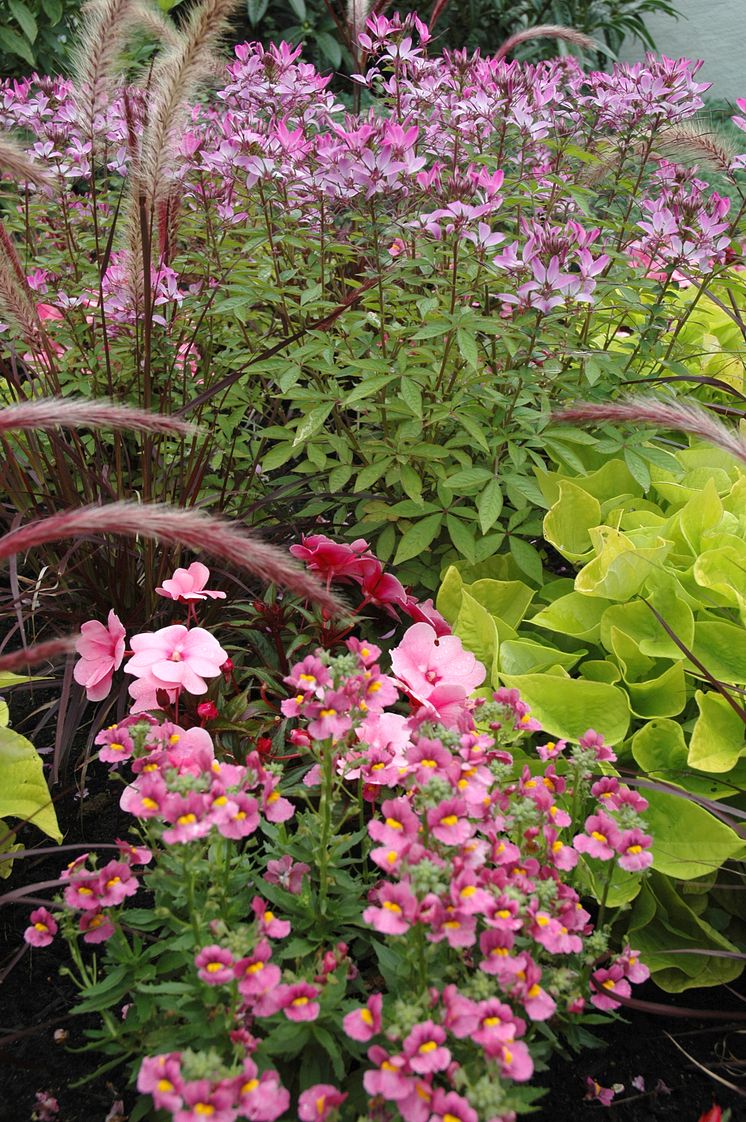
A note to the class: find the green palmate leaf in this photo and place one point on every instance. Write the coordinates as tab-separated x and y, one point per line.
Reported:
568	707
462	537
574	614
489	505
367	476
411	395
717	738
23	791
418	537
467	479
688	841
568	522
277	456
661	921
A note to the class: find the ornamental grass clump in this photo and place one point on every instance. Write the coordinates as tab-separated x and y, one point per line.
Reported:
393	922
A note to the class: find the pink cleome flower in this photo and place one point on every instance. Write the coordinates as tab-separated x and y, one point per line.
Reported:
101	651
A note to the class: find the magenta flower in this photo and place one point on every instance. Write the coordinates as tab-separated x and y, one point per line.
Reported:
315	1104
176	657
261	1098
286	873
603	1095
96	927
601	839
116	882
515	1061
450	1107
203	1100
364	1023
448	823
215	965
397	911
331	559
189	584
298	1003
424	1050
160	1076
43	928
256	974
633	848
606	984
267	921
101	651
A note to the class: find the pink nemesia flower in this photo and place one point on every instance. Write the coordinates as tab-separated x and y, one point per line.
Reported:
450	1107
215	965
101	651
160	1076
397	911
97	927
286	873
606	983
268	922
189	584
298	1003
315	1104
633	848
364	1023
261	1098
203	1100
601	838
43	928
423	1048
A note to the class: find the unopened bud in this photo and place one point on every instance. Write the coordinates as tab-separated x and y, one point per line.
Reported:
207	711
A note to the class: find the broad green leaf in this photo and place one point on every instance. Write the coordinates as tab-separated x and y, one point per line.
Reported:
7	679
527	558
721	648
411	482
660	749
255	10
24	17
489	505
717	738
509	600
619	570
23	790
411	394
660	921
418	537
467	479
448	601
467	345
277	456
312	423
567	524
596	670
568	707
368	475
367	388
574	614
523	656
622	888
688	841
663	696
330	48
476	629
299	8
461	536
723	571
637	621
700	514
15	44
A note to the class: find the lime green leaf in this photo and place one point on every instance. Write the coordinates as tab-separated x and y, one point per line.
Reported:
717	738
509	600
23	790
476	629
574	614
619	569
721	647
663	696
568	707
448	601
568	522
418	537
688	841
312	423
524	656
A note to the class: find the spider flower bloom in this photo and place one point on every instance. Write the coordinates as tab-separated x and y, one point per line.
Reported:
176	657
101	650
189	584
315	1104
43	928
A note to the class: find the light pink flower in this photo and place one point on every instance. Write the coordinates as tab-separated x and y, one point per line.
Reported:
315	1104
189	584
435	670
298	1001
362	1024
101	651
215	965
43	928
175	657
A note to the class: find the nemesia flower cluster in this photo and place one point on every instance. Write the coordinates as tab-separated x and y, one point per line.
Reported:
471	843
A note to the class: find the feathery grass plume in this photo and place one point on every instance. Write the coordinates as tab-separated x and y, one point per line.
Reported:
682	415
546	31
16	301
17	165
176	75
39	652
693	140
153	21
103	35
189	529
70	412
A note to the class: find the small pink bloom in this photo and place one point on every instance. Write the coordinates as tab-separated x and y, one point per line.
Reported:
450	1107
606	983
267	921
298	1003
601	838
364	1023
203	1101
101	651
261	1098
215	965
315	1104
397	911
189	584
116	882
96	926
633	849
160	1076
424	661
424	1050
43	928
286	873
603	1095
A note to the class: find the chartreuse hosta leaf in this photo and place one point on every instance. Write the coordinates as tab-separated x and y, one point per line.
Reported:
568	707
23	790
717	740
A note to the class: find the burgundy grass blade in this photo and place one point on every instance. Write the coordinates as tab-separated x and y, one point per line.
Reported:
39	652
53	412
190	529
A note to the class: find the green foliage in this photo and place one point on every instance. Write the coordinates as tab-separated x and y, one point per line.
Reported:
36	35
24	793
647	645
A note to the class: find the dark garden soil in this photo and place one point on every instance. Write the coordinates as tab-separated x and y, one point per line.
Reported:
34	999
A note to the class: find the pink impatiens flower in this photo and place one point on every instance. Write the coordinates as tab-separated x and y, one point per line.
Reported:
189	584
101	651
172	658
436	670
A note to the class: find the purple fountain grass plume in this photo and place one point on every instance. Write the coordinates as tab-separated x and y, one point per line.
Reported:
176	77
39	652
15	295
153	21
546	31
682	415
52	412
103	35
190	529
17	165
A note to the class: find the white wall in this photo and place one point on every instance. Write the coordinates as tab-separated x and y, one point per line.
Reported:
714	30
